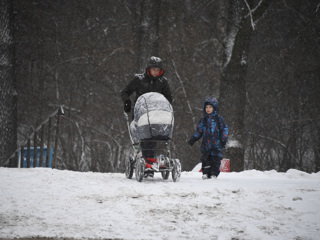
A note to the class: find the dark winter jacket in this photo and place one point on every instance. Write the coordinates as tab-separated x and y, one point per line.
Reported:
144	83
212	129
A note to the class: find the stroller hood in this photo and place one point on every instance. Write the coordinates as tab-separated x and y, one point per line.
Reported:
153	118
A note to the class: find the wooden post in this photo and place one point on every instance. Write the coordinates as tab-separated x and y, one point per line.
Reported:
49	143
93	156
41	146
60	112
35	150
21	156
28	153
16	156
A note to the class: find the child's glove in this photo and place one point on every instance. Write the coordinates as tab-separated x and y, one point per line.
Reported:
223	144
192	141
127	106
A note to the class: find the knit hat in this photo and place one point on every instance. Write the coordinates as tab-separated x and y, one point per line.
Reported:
155	62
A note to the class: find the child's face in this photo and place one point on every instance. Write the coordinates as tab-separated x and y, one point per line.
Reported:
209	109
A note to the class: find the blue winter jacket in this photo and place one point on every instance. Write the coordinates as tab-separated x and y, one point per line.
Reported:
212	129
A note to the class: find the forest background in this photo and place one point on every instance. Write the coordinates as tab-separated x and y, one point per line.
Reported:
260	58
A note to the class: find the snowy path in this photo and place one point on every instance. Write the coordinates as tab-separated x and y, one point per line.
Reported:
246	205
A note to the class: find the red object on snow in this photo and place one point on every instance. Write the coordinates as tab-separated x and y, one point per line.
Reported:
225	165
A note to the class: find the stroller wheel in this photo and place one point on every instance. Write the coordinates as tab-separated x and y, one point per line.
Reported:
140	166
176	170
129	168
165	174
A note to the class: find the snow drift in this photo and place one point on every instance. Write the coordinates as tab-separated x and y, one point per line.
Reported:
246	205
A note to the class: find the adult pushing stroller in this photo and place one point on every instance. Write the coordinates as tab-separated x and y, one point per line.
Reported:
150	133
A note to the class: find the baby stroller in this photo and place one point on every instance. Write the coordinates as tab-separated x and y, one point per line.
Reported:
150	133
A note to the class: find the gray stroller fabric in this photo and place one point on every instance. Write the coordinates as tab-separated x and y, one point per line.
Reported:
153	118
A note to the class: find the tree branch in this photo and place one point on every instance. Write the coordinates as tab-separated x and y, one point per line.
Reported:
250	13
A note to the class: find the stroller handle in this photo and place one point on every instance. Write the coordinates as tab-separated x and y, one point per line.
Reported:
128	125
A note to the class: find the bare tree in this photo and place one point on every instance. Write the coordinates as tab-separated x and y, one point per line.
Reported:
8	98
148	31
233	84
282	115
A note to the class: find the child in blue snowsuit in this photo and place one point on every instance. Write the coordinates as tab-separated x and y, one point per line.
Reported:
214	133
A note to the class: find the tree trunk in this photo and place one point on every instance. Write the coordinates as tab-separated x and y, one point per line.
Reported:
8	98
149	32
233	84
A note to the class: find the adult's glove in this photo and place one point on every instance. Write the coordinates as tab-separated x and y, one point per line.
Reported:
192	140
127	106
223	144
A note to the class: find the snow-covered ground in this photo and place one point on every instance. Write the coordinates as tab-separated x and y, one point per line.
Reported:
247	205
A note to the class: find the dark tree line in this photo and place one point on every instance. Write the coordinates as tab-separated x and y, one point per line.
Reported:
287	133
260	58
